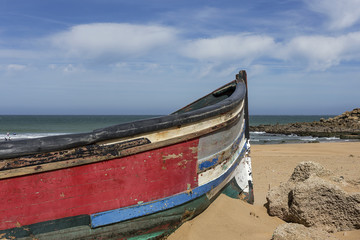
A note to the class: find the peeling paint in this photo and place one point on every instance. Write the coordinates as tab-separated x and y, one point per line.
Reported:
187	215
172	156
194	149
183	163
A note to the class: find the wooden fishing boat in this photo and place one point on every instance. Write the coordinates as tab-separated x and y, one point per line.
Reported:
137	180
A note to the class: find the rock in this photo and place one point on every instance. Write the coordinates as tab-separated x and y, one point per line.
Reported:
305	170
277	201
319	203
346	124
293	231
314	197
278	198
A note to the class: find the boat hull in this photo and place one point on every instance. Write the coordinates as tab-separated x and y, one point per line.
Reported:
141	185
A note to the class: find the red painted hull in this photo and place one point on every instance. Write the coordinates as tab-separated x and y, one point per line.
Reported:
99	186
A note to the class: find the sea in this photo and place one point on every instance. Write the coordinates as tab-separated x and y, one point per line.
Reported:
16	127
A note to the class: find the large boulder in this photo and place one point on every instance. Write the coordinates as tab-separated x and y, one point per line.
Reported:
314	197
278	199
320	203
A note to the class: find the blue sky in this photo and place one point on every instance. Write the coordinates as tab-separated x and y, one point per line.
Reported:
154	56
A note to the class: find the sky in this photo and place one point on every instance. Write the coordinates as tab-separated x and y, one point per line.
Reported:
155	56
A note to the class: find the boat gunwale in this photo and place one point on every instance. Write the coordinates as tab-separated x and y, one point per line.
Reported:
61	142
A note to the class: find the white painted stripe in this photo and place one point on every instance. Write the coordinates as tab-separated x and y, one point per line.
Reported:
216	144
221	168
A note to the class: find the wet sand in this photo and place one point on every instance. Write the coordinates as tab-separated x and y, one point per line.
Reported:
230	218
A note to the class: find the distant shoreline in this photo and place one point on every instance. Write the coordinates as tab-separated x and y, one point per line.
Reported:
344	126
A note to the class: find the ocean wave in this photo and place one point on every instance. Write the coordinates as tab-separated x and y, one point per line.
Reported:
257	133
331	138
308	139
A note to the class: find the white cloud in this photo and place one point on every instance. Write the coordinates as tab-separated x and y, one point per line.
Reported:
117	43
97	39
15	67
322	52
69	68
342	14
318	52
66	68
229	47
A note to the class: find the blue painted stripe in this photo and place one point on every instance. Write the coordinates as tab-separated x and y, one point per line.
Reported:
122	214
210	163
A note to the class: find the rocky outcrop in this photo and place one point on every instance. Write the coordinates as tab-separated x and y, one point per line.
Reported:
346	125
294	231
314	197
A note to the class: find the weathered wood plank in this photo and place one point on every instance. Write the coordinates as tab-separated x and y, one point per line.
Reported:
75	153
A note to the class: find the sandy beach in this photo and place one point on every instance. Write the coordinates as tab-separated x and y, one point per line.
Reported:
230	218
